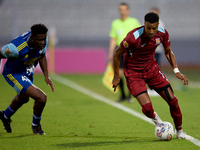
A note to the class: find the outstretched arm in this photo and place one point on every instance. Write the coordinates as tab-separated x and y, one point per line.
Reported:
43	66
116	62
172	60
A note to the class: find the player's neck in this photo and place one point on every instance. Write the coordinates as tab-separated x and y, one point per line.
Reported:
123	18
30	43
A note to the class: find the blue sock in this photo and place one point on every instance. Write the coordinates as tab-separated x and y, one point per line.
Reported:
9	112
36	120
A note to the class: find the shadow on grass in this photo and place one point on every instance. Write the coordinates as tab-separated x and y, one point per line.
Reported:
108	142
10	135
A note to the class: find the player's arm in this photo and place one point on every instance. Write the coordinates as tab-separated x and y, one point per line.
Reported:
116	62
112	46
43	66
9	51
172	60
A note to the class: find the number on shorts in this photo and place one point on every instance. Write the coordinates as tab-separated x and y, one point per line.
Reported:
24	78
162	74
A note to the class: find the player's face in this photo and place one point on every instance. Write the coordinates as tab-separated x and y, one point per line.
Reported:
151	29
39	41
123	11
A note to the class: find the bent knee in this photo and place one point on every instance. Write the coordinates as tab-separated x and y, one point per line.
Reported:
26	100
41	98
173	103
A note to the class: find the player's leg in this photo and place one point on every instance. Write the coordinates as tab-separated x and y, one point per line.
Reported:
147	107
15	80
121	83
40	100
138	89
168	95
16	103
161	85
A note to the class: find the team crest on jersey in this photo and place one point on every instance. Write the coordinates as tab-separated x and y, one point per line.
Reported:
125	44
158	41
7	51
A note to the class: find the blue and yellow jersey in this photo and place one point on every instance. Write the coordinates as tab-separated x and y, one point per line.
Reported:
21	58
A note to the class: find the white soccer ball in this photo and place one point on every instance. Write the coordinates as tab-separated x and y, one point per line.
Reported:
164	131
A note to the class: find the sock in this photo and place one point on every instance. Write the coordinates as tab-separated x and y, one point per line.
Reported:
176	113
8	112
36	120
121	85
148	110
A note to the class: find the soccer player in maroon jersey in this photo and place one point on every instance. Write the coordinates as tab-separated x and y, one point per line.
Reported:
141	68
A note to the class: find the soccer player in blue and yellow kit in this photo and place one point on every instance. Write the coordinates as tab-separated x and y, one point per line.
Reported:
23	54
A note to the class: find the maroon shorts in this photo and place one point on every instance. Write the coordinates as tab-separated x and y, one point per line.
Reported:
136	80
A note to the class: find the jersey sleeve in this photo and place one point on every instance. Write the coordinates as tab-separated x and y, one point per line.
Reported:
9	51
128	41
166	40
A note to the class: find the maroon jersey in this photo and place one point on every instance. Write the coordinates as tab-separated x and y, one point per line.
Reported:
141	49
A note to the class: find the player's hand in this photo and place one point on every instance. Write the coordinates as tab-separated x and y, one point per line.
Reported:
182	77
115	82
49	83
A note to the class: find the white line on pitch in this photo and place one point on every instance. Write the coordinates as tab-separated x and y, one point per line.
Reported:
83	90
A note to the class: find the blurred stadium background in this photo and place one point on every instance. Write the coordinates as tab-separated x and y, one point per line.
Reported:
85	24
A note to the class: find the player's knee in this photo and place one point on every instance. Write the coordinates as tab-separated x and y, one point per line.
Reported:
26	100
148	110
173	103
41	98
44	98
22	98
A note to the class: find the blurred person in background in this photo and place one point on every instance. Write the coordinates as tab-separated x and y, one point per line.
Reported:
141	68
119	28
23	54
159	49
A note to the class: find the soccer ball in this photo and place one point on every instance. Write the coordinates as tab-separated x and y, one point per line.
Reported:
164	131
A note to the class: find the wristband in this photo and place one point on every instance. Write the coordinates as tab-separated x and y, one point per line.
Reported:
176	70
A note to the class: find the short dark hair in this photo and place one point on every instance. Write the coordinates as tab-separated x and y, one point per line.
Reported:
39	29
151	17
125	4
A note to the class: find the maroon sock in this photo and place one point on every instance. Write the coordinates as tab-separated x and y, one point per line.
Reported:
148	110
176	113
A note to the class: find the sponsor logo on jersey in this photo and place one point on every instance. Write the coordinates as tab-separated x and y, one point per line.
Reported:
143	44
7	51
125	44
158	41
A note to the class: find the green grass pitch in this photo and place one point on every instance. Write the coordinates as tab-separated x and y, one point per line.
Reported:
73	120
